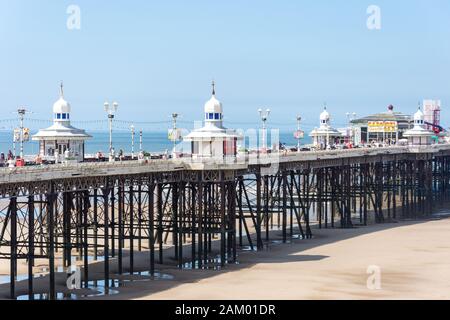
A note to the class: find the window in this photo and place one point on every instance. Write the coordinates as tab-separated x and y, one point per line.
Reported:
211	116
68	116
58	116
217	116
64	116
195	147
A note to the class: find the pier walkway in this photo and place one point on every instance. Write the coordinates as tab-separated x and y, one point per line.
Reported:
202	212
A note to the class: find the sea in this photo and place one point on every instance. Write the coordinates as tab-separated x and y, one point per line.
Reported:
152	141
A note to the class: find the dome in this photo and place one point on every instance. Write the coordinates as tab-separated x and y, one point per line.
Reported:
61	106
419	116
325	115
213	106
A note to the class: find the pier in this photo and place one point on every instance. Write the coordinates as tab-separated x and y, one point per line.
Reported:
203	211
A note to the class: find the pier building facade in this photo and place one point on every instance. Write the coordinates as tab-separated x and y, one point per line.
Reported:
386	126
213	140
62	140
419	135
325	137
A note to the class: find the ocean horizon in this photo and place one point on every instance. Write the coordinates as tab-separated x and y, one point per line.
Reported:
152	141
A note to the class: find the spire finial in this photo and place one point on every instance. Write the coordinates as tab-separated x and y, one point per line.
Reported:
61	92
213	88
325	106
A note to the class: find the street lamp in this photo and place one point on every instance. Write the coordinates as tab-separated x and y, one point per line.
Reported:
175	133
21	112
133	133
140	141
110	110
299	120
264	117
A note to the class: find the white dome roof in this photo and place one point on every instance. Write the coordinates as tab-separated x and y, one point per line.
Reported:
61	106
419	115
325	115
213	106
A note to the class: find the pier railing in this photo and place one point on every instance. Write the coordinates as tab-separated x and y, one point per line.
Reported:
42	172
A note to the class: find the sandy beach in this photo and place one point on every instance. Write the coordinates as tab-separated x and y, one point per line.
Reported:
413	258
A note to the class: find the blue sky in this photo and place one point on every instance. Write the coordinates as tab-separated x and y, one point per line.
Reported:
157	57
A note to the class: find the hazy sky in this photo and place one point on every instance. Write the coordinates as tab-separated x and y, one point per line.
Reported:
157	57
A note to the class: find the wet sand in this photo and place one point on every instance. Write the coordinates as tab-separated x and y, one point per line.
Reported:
413	257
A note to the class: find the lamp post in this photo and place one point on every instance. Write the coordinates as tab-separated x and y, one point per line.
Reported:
299	120
174	133
140	141
21	112
264	117
111	110
133	133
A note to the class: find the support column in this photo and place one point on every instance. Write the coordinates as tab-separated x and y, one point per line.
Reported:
13	261
106	193
151	231
51	238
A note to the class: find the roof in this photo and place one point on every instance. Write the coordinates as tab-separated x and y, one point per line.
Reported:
211	131
61	131
385	116
325	131
418	132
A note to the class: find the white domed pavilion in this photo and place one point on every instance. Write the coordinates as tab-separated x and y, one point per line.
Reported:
213	140
325	136
419	134
61	138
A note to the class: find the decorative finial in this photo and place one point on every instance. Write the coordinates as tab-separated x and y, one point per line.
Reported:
61	92
213	88
325	106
